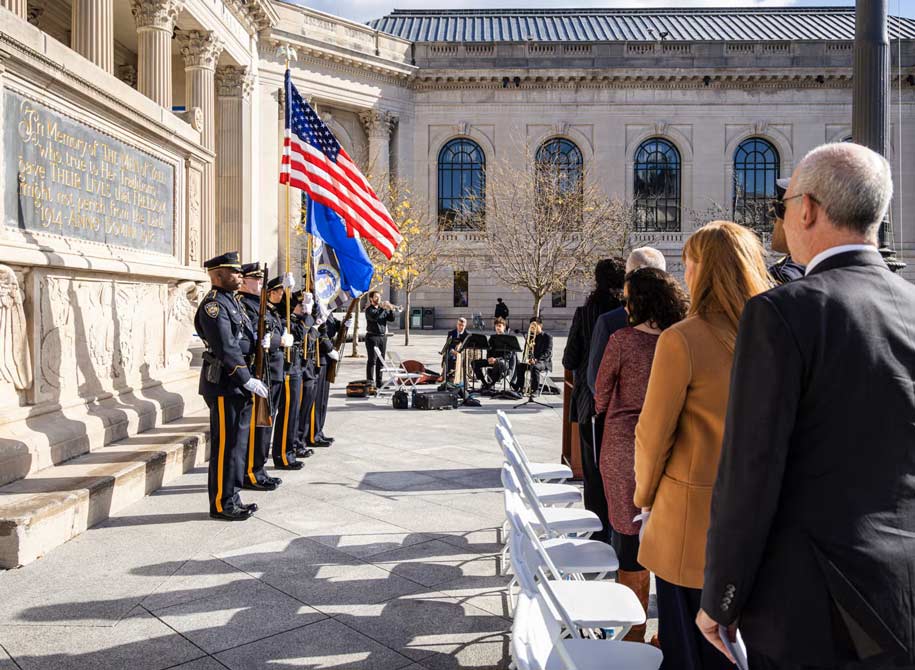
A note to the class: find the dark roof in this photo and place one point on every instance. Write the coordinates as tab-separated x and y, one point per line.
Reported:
624	25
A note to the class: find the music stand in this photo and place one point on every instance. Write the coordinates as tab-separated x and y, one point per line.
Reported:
499	344
473	341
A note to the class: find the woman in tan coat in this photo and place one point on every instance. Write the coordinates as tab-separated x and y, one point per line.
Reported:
679	433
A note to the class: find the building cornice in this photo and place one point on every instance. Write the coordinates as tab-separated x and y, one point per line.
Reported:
255	15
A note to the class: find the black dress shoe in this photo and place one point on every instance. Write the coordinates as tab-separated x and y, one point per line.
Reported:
294	465
233	514
304	452
275	480
320	443
324	438
262	485
251	507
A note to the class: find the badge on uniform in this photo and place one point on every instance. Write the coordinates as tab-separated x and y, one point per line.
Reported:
212	308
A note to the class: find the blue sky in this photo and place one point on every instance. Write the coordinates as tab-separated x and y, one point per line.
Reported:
363	10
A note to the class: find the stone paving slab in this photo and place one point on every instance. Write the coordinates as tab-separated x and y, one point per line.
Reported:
381	553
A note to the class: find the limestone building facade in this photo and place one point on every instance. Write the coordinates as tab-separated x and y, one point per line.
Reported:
140	137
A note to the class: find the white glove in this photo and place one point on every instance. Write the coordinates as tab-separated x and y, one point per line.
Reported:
334	355
286	339
257	387
288	281
308	301
320	321
265	343
348	323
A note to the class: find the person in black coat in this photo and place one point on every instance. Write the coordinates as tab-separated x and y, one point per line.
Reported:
608	279
811	547
786	268
453	344
539	361
377	317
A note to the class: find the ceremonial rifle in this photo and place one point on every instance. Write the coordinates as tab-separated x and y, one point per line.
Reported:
263	416
340	340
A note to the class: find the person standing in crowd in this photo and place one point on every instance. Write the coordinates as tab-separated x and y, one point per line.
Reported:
456	337
317	412
501	311
283	458
377	317
654	301
678	436
255	474
539	361
310	343
226	386
785	269
290	397
608	284
811	548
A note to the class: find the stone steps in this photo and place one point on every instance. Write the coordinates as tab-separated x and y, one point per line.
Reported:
53	505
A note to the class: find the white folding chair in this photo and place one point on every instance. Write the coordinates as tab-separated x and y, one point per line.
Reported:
538	643
394	374
544	472
548	494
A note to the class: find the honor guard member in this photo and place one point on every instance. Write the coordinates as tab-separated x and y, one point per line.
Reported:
290	401
310	371
249	298
276	294
226	385
327	330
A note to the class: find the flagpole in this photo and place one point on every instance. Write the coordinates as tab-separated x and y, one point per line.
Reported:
288	246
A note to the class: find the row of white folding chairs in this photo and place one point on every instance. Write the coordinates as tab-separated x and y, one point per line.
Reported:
571	603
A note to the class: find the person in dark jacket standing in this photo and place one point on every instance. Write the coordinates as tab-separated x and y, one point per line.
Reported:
784	269
608	279
811	545
377	318
501	311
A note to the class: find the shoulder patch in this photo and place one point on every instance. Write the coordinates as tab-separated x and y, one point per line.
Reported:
212	309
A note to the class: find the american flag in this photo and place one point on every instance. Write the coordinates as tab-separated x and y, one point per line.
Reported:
314	161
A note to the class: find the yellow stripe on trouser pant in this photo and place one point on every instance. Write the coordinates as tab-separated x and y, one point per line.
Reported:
252	435
286	421
221	402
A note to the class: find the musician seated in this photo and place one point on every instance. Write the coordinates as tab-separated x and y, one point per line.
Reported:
497	364
539	361
456	337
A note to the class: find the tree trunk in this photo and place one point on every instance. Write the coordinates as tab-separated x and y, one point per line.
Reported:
406	321
537	300
355	351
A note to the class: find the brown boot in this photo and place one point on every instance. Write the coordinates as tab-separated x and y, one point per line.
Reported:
640	582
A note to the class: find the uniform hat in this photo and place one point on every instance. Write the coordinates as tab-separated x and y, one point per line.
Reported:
252	270
276	282
226	260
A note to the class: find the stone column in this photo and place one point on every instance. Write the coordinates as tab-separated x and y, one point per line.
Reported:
18	7
155	23
378	127
92	31
233	158
201	49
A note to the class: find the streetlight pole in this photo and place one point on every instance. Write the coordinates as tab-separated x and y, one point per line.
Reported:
871	94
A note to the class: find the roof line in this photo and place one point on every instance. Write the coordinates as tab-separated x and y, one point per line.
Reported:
620	10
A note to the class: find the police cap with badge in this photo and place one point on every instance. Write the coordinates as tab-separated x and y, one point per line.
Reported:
254	270
227	260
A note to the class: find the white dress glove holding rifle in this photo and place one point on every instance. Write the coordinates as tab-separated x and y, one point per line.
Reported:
265	343
333	355
288	281
257	387
286	339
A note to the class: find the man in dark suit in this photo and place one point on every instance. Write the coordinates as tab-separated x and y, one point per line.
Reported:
811	548
539	361
456	337
608	287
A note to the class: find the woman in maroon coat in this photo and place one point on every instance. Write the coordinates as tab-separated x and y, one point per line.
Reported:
654	301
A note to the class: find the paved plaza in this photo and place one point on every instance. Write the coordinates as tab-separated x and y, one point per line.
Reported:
382	553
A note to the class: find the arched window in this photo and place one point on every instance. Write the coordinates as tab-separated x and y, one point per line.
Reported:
657	186
461	185
755	172
561	159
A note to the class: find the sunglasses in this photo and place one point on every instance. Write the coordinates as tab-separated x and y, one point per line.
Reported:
778	206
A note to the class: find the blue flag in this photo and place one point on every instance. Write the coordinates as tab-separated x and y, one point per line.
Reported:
342	269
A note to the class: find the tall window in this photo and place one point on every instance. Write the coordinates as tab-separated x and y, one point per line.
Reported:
461	185
558	298
755	172
461	288
562	160
657	186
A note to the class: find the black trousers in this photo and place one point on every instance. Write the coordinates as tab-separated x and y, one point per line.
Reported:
286	420
594	498
230	418
496	372
306	400
684	646
322	395
537	370
759	662
374	364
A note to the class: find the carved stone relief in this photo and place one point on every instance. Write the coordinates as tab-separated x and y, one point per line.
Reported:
193	216
15	363
183	298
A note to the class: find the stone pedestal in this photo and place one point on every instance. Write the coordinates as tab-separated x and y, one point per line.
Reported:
92	29
233	166
201	50
18	7
155	22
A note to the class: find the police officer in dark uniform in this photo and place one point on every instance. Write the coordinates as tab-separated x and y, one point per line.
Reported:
327	330
226	385
283	459
785	269
290	401
310	370
255	475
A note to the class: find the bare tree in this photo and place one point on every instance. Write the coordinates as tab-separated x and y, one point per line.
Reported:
543	224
